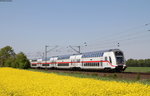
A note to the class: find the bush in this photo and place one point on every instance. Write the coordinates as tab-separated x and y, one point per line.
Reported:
138	63
22	61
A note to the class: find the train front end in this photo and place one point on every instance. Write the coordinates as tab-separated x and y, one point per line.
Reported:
120	61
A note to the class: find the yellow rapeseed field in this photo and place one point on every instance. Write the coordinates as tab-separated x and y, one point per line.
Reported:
15	82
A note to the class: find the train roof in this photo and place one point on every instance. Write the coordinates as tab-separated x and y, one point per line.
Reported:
97	53
85	55
101	51
88	54
64	57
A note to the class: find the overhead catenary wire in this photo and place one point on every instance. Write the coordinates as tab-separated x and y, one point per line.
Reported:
129	32
113	44
122	37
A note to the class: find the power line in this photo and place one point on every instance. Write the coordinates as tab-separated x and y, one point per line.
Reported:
123	34
128	36
79	48
108	42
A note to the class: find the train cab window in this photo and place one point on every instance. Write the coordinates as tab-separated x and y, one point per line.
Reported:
119	57
110	59
105	58
120	60
118	53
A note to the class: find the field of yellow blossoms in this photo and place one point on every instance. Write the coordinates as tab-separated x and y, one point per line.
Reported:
16	82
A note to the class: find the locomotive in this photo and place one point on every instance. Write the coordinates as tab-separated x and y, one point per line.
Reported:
108	60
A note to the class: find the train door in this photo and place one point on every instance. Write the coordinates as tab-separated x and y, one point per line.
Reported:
105	61
78	61
109	60
100	63
39	63
53	62
72	58
75	61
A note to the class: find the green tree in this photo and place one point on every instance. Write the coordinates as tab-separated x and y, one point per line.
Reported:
10	62
131	62
147	62
141	63
138	63
6	53
22	61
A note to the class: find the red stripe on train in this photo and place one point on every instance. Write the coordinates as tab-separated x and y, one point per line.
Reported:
77	62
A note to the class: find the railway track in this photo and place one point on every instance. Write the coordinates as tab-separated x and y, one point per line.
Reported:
122	75
142	73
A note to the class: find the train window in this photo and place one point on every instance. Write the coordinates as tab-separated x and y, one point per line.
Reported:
97	64
39	62
33	64
78	60
118	53
91	64
63	57
92	54
105	58
45	64
110	59
33	60
120	60
63	64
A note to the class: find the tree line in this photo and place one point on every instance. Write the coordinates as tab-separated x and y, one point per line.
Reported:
138	63
8	58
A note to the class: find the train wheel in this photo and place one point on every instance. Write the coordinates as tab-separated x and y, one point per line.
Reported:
107	69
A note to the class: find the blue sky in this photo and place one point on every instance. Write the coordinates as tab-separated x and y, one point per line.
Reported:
29	25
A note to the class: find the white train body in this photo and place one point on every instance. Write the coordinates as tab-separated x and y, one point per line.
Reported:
112	59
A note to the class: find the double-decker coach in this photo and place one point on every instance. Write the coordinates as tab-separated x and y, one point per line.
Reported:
112	59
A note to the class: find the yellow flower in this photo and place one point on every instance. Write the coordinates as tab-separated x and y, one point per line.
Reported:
16	82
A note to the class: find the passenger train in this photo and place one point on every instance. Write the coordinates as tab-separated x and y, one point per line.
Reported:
109	60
